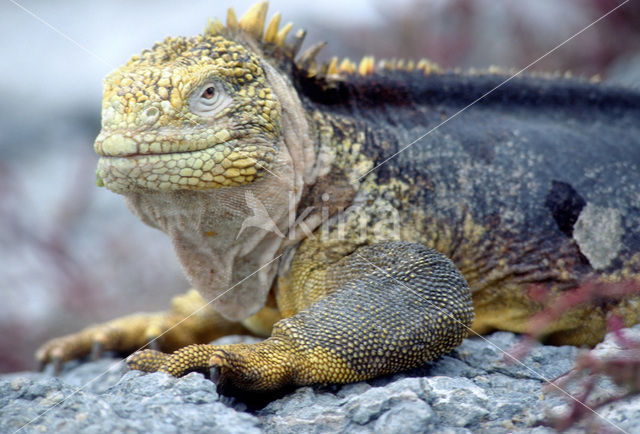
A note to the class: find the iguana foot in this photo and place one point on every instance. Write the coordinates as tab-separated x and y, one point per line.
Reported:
189	321
265	366
122	334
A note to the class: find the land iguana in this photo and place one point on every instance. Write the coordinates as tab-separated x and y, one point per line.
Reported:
307	205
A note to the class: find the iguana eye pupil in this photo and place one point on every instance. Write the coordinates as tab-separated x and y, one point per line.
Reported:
209	92
209	99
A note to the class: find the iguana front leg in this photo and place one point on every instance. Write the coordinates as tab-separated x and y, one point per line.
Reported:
381	309
188	321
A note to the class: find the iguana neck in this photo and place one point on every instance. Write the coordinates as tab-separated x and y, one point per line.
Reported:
229	240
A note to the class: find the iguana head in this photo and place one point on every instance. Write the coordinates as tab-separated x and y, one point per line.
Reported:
191	113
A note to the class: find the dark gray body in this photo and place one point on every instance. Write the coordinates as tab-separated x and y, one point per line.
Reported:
537	183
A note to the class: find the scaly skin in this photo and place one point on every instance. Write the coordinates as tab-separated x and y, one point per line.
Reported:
336	335
147	117
204	134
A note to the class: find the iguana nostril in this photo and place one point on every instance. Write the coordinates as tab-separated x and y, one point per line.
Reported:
152	114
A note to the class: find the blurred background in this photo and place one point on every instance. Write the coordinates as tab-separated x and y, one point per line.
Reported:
71	254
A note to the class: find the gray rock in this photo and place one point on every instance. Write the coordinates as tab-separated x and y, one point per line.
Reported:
458	401
411	416
473	389
136	403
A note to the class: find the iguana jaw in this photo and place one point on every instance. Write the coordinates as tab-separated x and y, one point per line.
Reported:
224	164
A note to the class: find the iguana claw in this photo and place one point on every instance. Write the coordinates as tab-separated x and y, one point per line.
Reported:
215	373
97	349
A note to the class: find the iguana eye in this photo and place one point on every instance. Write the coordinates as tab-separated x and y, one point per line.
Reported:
209	99
209	92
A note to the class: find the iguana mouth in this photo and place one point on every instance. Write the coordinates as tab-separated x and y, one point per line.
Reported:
127	144
183	164
194	170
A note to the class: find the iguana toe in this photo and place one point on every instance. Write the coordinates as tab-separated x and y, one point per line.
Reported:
57	365
60	350
188	359
255	367
146	360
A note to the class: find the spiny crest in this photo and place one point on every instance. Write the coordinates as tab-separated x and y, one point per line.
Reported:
253	24
497	70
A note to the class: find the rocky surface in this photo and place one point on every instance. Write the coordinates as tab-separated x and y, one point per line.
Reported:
473	389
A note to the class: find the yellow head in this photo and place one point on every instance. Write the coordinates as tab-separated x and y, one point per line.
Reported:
189	114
